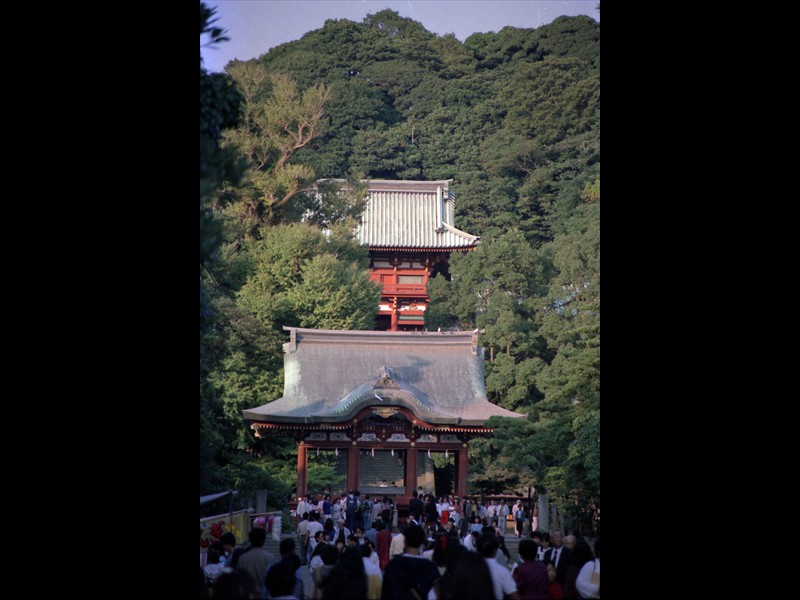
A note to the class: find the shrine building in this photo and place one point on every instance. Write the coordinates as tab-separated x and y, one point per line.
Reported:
376	397
409	229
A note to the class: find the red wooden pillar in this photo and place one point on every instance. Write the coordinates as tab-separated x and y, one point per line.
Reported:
302	469
411	471
461	476
352	468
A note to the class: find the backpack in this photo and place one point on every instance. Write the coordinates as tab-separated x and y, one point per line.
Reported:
351	505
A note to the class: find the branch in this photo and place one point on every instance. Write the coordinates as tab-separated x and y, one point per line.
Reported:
292	192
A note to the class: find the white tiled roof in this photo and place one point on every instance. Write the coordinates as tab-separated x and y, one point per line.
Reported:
411	214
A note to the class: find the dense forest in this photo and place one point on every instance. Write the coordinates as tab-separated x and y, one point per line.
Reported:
513	118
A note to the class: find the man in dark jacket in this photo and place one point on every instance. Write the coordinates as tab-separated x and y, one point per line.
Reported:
559	554
409	576
415	506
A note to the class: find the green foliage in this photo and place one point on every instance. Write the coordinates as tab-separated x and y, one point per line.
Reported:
304	278
335	203
335	295
322	471
392	25
503	463
220	108
457	61
279	119
572	36
493	283
355	106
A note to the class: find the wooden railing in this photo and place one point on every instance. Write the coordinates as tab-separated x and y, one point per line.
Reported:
405	289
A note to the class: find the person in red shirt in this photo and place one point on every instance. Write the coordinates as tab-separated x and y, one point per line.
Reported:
533	582
555	592
382	543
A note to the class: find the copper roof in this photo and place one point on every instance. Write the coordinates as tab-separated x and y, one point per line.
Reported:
331	375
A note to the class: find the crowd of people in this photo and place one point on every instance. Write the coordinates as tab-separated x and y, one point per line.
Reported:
439	553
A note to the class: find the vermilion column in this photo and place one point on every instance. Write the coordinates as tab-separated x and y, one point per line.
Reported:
411	472
352	468
461	477
302	470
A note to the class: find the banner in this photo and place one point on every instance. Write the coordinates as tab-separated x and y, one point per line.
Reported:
212	528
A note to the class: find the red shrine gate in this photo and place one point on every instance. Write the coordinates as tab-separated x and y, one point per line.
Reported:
404	393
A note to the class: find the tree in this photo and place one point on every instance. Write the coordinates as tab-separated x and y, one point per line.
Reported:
220	108
335	295
304	278
335	203
279	120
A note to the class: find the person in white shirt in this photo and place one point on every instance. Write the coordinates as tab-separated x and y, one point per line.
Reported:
503	510
544	545
302	507
213	567
398	543
502	581
336	510
302	530
377	509
311	530
482	511
373	557
491	511
588	581
469	541
338	528
372	571
455	514
316	554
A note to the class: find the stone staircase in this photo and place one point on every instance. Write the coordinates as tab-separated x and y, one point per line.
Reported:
273	547
512	543
374	469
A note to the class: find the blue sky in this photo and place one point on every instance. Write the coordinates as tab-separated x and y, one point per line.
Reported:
255	26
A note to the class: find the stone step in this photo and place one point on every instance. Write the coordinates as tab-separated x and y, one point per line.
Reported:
374	469
273	547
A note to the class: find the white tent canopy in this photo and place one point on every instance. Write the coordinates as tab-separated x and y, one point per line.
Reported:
212	497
